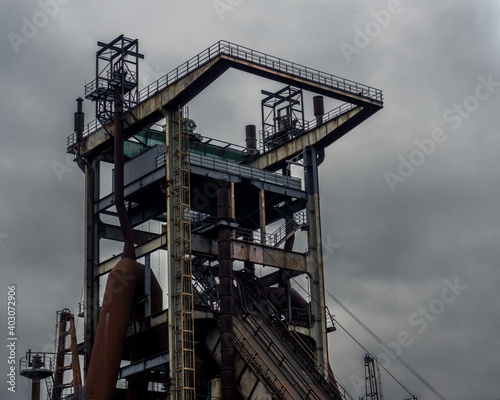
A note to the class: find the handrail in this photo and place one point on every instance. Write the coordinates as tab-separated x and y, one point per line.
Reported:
269	137
252	357
274	351
275	238
223	47
245	348
285	330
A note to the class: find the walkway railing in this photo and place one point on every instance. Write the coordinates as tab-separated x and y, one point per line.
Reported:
255	57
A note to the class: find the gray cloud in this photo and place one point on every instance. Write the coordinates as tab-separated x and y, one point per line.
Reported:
396	248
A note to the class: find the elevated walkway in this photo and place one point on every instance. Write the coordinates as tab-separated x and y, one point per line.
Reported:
183	83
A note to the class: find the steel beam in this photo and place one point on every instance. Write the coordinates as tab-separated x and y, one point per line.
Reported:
299	82
205	246
319	137
151	111
156	363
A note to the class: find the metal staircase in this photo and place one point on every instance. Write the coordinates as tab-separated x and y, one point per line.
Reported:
295	345
289	228
277	356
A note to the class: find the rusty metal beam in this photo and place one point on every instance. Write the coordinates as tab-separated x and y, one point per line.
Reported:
320	137
303	83
150	111
180	93
203	245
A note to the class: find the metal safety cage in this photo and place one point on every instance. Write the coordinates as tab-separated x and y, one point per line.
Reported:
117	71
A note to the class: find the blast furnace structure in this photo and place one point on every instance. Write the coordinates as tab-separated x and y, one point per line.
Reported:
222	219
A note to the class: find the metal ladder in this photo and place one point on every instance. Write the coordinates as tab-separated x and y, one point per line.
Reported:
182	296
65	328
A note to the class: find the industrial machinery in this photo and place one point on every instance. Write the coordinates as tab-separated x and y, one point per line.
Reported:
246	316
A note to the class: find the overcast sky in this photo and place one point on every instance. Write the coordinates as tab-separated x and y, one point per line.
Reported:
409	198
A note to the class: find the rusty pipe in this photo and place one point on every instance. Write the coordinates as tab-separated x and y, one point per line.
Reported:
226	296
319	109
128	244
123	281
251	138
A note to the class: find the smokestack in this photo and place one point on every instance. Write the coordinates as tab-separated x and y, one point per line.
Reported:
79	120
251	138
319	109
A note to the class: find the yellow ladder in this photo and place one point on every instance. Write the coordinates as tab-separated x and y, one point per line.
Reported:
182	297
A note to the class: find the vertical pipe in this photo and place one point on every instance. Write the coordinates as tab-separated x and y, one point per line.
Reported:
147	284
35	389
79	121
226	296
91	311
128	245
319	109
262	215
251	138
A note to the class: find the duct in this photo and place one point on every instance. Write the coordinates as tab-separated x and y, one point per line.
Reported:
121	288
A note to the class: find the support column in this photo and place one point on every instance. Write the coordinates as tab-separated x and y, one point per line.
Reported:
262	215
226	296
91	299
147	285
35	389
315	256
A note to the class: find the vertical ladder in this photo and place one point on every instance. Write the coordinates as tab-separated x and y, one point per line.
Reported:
61	388
182	298
373	381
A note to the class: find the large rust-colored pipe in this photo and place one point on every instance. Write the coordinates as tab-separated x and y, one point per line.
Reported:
123	281
121	287
226	296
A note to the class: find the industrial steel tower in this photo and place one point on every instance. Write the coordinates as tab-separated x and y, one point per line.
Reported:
221	218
